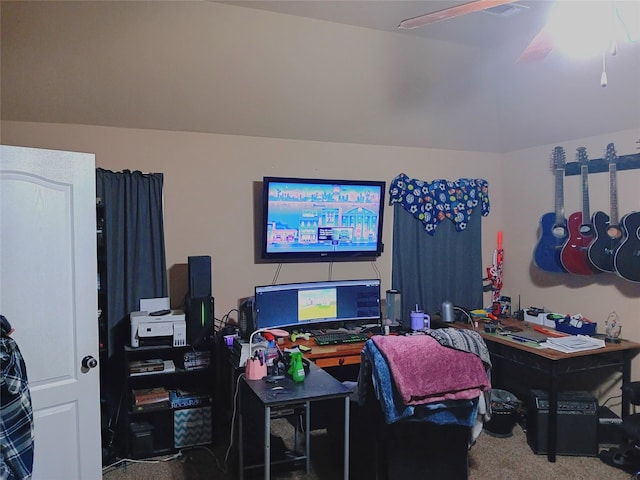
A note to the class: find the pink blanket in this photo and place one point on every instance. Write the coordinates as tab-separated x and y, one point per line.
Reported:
425	371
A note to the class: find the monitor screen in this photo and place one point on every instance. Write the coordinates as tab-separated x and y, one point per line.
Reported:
314	303
321	219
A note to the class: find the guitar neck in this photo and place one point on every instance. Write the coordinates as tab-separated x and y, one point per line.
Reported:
613	194
584	170
559	201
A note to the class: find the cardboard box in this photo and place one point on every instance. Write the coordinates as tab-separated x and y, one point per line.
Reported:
540	319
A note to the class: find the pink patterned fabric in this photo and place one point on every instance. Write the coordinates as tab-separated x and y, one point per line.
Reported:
425	371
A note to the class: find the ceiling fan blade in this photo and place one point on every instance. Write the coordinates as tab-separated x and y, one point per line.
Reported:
451	12
538	48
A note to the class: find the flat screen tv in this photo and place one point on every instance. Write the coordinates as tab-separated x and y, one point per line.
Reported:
309	304
321	220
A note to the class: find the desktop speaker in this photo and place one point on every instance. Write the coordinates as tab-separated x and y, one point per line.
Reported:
199	317
199	276
577	427
246	317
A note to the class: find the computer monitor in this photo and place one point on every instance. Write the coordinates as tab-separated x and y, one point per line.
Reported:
317	304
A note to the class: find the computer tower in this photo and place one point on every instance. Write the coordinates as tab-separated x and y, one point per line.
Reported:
577	423
199	276
199	318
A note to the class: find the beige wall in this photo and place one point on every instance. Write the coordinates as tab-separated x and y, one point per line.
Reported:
209	187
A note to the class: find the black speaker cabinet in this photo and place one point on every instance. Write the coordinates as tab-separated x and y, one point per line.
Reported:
246	317
199	276
199	316
577	432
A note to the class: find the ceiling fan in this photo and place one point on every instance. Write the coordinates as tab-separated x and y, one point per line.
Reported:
537	49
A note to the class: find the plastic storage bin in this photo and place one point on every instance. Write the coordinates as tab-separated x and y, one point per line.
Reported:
587	328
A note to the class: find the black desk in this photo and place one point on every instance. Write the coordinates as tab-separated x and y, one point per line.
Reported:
318	385
555	365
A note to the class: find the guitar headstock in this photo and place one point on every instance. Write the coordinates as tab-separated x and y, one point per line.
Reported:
558	159
582	157
610	156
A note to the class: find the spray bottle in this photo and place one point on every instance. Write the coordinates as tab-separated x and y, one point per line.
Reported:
296	368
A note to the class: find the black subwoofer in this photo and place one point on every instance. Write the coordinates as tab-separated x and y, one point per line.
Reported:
577	431
199	276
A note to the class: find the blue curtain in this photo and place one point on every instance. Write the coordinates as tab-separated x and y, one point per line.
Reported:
437	250
136	264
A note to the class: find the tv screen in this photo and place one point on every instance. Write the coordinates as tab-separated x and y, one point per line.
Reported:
312	303
321	219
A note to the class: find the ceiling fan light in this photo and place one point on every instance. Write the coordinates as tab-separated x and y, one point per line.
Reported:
587	37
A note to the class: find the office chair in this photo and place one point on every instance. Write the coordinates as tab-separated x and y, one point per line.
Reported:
627	455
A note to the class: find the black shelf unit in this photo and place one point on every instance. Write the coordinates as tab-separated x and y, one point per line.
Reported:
169	428
102	279
108	396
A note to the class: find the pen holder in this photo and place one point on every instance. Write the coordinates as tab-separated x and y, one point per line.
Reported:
255	370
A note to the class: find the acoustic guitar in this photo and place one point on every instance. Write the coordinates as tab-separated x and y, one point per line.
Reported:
608	233
574	256
627	256
553	225
626	259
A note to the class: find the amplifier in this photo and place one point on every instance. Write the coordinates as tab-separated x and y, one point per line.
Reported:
577	427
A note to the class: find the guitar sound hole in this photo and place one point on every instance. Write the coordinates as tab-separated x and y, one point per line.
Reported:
585	229
614	233
559	231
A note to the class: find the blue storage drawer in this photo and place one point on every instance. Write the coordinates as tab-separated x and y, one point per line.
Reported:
192	426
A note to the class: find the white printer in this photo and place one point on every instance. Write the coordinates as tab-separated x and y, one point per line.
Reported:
156	324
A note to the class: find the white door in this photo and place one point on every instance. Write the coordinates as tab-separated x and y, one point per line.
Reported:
48	272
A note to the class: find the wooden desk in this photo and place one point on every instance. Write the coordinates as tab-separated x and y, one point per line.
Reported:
329	355
554	365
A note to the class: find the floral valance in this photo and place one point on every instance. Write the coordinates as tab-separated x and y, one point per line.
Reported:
432	202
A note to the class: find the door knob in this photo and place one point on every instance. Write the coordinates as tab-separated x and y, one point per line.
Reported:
89	362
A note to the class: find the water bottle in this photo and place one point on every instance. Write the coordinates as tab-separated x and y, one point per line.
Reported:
447	311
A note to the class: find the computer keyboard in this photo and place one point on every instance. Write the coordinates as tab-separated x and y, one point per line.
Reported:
340	337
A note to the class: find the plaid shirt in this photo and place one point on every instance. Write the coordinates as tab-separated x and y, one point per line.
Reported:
16	414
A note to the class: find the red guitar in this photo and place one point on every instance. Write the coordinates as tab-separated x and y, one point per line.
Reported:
574	256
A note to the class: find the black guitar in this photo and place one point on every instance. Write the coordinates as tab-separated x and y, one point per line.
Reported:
553	225
626	259
608	233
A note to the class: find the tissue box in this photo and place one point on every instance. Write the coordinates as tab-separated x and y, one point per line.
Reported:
587	328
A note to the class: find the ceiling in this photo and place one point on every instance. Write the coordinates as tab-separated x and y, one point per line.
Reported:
483	29
323	70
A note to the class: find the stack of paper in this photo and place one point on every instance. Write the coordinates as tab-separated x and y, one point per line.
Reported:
574	343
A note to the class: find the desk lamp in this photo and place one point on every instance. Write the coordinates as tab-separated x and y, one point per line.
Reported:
256	368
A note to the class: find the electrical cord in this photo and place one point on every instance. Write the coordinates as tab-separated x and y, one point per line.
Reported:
112	466
604	404
465	313
233	420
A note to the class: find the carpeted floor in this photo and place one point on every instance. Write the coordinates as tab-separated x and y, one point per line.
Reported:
490	458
